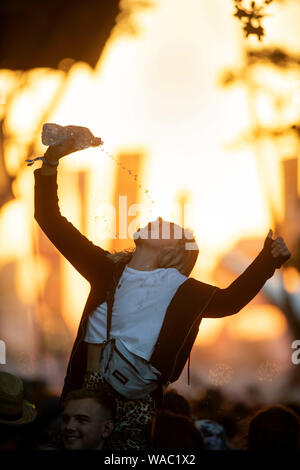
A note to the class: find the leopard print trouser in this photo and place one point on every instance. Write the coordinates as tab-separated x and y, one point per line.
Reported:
131	417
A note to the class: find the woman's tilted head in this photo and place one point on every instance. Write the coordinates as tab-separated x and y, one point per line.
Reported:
161	244
176	246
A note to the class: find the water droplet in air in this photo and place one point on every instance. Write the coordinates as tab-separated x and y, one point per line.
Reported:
135	177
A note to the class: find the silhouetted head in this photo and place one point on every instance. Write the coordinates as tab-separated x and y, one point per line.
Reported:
174	432
275	427
176	403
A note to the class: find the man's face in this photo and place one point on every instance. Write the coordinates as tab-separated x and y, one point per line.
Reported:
159	234
85	425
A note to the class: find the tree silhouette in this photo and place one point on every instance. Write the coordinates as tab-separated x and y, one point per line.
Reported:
286	65
251	17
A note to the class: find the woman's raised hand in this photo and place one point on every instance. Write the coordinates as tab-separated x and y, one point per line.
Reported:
57	151
279	250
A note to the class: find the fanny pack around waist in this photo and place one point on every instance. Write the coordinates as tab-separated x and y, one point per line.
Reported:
130	375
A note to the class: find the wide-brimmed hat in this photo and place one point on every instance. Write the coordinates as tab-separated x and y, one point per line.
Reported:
14	410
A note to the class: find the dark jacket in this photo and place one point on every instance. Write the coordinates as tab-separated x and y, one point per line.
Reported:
192	301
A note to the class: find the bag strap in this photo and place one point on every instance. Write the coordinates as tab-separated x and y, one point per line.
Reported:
109	301
110	296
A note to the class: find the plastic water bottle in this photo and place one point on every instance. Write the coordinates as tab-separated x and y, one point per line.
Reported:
79	137
71	138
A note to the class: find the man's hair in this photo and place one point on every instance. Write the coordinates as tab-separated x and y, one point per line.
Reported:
101	396
274	427
183	257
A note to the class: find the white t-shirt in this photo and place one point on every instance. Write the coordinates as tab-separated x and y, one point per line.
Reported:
140	304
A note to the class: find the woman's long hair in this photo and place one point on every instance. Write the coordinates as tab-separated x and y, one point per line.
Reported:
121	256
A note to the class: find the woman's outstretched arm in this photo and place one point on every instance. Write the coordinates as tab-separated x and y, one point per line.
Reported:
232	299
88	259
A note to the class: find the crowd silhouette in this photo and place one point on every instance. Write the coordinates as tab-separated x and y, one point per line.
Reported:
85	421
